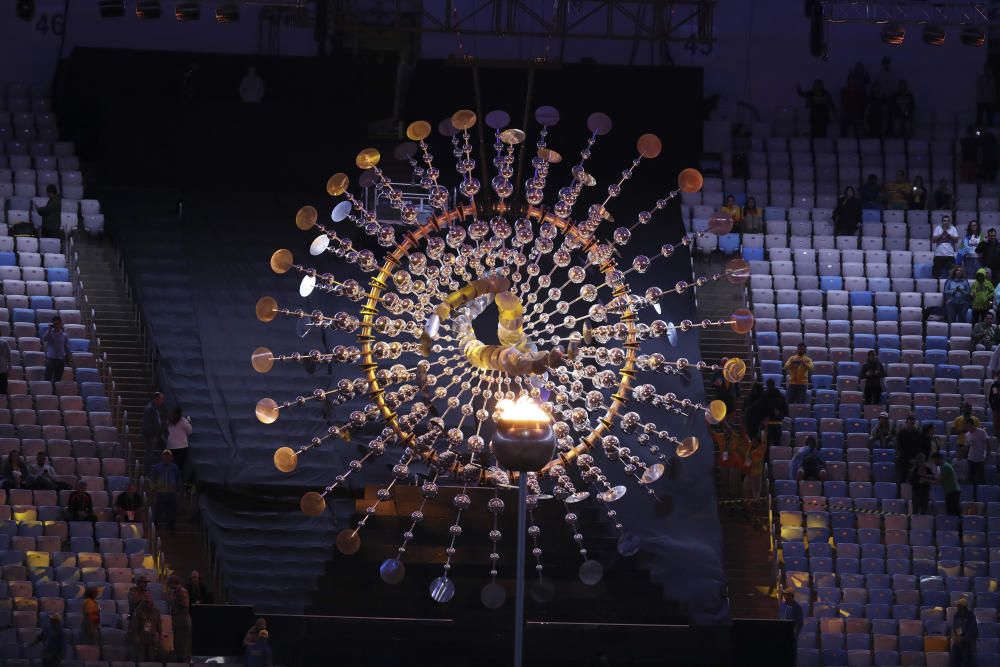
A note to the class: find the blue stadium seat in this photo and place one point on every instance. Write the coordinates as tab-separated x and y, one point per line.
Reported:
921	385
8	259
923	271
767	338
888	341
729	243
826	396
864	341
24	315
848	368
887	314
935	343
822	381
827	283
948	371
59	275
860	298
753	254
79	345
871	215
889	355
936	356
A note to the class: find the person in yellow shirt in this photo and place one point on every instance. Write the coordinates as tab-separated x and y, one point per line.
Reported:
733	210
964	423
798	367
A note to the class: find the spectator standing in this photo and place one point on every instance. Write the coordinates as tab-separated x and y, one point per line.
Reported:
251	87
53	642
91	618
753	219
898	193
154	424
258	654
733	449
251	636
775	411
4	365
872	378
977	443
145	630
799	366
790	610
948	480
918	195
167	483
964	423
885	78
129	504
986	96
847	214
754	412
908	445
178	432
943	198
725	391
852	106
903	108
964	633
968	244
982	295
80	506
986	334
883	434
957	295
57	353
51	213
993	398
928	440
15	474
753	472
180	613
944	239
989	253
875	112
820	107
136	595
871	193
198	592
920	478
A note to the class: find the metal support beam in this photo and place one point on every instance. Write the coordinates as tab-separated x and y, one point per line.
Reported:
908	13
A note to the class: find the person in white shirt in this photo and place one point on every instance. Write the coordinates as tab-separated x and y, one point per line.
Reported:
978	443
944	239
251	87
178	431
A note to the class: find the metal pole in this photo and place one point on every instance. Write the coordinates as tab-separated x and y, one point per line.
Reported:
522	531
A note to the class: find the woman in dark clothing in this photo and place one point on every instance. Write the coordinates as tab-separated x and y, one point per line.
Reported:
847	215
921	477
754	411
51	213
15	474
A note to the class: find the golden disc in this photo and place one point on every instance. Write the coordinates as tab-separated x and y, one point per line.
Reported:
690	180
418	130
549	155
306	217
512	136
716	412
285	459
688	446
267	411
649	146
734	369
312	503
266	309
281	260
262	360
743	321
464	119
337	184
348	542
367	158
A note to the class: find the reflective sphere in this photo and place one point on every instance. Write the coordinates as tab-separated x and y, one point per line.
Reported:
392	571
591	572
442	589
690	180
348	542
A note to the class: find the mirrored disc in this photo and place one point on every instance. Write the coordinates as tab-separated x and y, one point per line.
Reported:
591	572
312	504
319	245
418	130
547	116
262	360
442	589
392	570
542	591
265	308
285	459
649	146
599	123
281	260
367	179
267	411
688	446
446	128
306	216
307	285
612	494
628	545
657	308
336	185
672	333
341	211
405	151
493	594
348	542
512	137
578	497
539	496
652	473
497	119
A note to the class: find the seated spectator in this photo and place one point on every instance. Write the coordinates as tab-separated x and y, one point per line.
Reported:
197	590
918	195
129	504
989	253
733	210
871	193
847	214
80	506
15	475
811	467
967	244
943	198
883	435
957	295
43	475
753	218
986	334
944	239
898	192
982	296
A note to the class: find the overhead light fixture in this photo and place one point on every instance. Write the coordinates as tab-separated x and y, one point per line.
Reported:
147	9
973	36
934	35
187	11
893	34
111	9
227	13
25	10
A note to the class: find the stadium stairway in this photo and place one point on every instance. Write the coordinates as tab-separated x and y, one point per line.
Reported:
121	336
747	553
